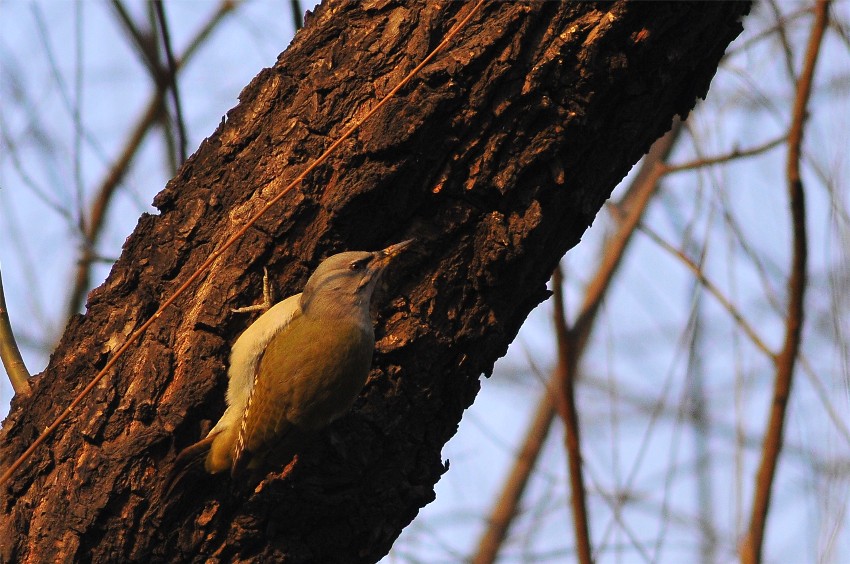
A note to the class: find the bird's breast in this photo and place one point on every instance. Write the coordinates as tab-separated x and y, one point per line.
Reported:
314	370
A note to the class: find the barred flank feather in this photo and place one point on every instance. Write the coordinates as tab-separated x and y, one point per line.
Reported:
240	460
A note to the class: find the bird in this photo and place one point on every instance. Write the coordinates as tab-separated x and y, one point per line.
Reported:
296	369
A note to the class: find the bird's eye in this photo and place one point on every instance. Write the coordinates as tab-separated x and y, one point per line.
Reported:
357	265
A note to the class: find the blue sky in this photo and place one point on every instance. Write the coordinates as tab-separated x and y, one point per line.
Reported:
63	123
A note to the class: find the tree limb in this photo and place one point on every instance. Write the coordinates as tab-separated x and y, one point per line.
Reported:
10	354
751	549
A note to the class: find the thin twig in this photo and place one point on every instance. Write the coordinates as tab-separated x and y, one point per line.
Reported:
823	395
783	40
748	329
78	116
751	550
730	156
10	354
297	15
747	44
567	365
272	187
61	86
143	42
615	501
10	150
692	406
699	416
635	202
712	289
656	411
171	74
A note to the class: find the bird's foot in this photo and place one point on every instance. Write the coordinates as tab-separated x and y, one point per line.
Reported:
267	297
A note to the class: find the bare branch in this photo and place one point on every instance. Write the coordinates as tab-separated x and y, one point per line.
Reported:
730	156
712	289
142	41
297	14
9	352
10	150
171	74
566	372
751	550
783	39
748	43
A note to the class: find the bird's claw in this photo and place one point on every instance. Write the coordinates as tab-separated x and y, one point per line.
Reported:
267	297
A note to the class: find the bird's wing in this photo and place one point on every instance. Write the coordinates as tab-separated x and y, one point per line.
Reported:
262	422
245	357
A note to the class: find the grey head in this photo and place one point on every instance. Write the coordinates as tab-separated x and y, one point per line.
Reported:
343	284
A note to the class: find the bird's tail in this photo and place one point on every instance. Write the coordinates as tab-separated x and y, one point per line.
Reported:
188	460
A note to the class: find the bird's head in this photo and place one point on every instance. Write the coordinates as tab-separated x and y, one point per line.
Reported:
347	279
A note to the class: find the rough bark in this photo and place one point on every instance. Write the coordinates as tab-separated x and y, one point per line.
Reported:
496	158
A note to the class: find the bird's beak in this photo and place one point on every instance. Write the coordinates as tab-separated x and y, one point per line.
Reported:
393	250
380	261
383	258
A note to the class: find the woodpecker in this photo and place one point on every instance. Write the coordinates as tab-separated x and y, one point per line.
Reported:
296	369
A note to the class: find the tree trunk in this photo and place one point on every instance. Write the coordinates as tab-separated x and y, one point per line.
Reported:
496	158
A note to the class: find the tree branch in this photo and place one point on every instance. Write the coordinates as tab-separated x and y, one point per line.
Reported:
751	550
10	354
170	73
566	372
